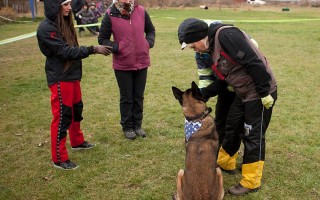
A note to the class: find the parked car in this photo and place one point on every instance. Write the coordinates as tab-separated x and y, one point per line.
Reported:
256	2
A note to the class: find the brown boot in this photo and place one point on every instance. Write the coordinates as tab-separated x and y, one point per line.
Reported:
239	190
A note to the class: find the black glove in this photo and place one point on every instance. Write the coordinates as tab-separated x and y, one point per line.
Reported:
214	88
102	49
204	94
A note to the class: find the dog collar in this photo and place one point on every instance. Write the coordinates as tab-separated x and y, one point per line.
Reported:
201	116
190	127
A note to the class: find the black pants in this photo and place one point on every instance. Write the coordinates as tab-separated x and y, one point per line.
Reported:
256	121
224	101
131	85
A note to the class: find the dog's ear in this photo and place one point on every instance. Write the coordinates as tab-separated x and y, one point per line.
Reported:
196	93
177	94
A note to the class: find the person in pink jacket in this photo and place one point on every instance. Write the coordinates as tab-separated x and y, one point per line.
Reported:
133	36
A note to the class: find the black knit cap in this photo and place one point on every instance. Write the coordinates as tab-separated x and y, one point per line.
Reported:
181	30
192	30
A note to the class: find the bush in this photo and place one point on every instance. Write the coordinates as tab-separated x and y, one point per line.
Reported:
8	15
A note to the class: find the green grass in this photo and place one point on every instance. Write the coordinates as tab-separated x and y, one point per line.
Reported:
146	169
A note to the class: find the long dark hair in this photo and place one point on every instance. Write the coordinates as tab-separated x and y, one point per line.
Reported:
68	33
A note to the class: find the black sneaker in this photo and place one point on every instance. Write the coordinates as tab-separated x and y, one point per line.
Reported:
131	135
140	132
85	145
66	165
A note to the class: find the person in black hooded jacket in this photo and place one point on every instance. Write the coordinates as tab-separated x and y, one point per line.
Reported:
57	40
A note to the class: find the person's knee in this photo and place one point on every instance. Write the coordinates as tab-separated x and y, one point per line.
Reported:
66	118
77	111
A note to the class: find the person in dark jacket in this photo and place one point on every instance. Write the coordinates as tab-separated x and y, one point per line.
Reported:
96	14
238	62
58	42
225	95
87	17
133	36
77	5
95	11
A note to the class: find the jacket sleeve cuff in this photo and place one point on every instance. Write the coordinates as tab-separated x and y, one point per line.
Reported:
91	50
264	94
115	48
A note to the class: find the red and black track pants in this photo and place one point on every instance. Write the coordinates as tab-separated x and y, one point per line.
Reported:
67	106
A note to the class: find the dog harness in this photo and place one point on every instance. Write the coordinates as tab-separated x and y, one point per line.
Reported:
193	124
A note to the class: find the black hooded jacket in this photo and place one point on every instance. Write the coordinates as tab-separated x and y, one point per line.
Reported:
56	50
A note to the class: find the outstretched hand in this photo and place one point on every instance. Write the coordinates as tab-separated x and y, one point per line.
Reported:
102	49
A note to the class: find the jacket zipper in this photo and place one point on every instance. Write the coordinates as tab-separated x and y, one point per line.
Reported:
134	41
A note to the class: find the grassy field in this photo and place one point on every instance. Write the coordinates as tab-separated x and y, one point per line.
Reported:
146	169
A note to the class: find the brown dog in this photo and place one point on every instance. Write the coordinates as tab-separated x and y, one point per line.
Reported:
202	178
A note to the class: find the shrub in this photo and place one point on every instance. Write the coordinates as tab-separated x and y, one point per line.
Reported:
7	15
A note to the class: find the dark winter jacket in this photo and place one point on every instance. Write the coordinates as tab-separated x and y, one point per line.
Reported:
56	50
240	63
86	16
96	14
130	45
